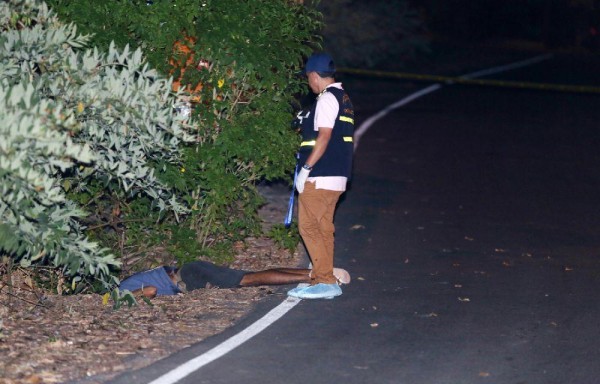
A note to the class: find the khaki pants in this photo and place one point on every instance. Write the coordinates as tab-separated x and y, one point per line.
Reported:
315	221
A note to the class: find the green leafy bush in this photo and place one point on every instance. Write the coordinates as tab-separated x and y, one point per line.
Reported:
72	120
91	150
286	238
240	66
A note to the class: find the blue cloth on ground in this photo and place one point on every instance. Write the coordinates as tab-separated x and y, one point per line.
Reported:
156	277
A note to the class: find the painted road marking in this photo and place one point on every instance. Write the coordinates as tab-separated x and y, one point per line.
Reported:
276	313
364	127
471	80
228	345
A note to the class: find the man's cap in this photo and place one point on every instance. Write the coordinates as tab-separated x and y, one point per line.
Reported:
321	63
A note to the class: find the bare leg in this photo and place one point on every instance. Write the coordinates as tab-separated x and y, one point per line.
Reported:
296	271
281	276
276	276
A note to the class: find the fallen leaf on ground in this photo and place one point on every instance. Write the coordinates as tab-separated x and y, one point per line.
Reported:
464	299
374	325
357	226
34	379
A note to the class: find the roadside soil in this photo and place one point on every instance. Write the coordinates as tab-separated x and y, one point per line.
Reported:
48	338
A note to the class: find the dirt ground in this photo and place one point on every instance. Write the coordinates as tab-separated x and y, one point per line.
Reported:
76	339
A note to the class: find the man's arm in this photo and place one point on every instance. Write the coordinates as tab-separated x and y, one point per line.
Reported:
318	150
320	146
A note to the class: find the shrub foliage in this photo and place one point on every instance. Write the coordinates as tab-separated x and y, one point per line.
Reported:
91	147
238	62
70	118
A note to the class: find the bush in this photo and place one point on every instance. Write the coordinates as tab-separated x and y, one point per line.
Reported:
73	120
91	150
238	60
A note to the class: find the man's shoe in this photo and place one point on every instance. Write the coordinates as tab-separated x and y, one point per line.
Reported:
296	291
319	291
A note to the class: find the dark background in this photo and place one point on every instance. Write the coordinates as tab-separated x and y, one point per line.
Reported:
552	22
386	34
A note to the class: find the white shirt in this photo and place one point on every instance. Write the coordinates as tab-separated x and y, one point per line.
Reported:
326	113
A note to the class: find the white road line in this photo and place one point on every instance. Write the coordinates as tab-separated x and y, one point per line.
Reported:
364	127
276	313
381	114
507	67
228	345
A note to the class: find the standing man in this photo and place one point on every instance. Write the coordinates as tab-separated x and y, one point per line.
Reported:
326	159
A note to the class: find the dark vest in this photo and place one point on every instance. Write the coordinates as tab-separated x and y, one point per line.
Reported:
337	159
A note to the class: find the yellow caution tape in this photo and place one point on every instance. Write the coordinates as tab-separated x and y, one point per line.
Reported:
465	80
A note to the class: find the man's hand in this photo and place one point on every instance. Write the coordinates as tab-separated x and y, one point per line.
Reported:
149	292
301	179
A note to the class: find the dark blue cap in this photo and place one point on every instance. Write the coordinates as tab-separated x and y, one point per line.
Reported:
320	62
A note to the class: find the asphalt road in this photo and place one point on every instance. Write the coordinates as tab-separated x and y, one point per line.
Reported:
471	232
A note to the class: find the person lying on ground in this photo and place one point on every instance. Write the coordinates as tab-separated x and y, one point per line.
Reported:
168	280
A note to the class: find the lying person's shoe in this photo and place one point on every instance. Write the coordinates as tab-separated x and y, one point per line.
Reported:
342	276
319	291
